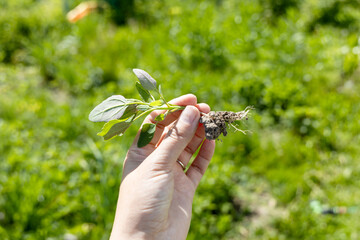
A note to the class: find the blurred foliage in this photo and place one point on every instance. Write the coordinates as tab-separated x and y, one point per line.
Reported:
278	8
296	62
121	10
338	13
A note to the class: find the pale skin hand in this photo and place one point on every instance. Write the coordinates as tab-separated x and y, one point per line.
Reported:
156	195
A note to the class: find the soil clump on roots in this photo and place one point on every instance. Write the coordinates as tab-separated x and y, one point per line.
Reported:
216	123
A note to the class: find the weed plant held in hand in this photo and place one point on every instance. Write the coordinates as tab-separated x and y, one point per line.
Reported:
119	113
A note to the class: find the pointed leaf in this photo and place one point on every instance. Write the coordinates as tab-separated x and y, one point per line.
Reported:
110	109
145	79
146	134
115	128
145	94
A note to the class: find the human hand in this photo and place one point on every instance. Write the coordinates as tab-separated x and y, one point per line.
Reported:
156	195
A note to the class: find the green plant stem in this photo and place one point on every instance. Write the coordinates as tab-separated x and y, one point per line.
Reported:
162	97
169	108
167	104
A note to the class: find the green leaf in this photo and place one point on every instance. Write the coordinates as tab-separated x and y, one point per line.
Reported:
146	134
143	107
160	117
130	110
157	103
145	79
110	109
145	94
115	128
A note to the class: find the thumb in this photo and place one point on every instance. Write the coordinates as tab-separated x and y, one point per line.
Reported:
177	138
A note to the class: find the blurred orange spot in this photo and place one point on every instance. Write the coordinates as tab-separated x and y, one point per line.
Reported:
80	11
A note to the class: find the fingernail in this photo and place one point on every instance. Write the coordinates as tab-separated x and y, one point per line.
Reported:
189	115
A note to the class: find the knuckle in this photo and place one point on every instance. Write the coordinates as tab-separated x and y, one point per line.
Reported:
180	132
198	169
177	136
189	149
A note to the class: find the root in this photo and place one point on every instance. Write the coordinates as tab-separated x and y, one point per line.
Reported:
215	123
237	129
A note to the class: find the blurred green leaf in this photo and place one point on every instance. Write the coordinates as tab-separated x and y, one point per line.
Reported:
146	134
145	94
110	109
130	111
145	79
115	128
141	107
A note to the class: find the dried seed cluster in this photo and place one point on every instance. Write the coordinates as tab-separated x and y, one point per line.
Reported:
215	122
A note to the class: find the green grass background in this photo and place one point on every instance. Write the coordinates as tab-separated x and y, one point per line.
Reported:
296	62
